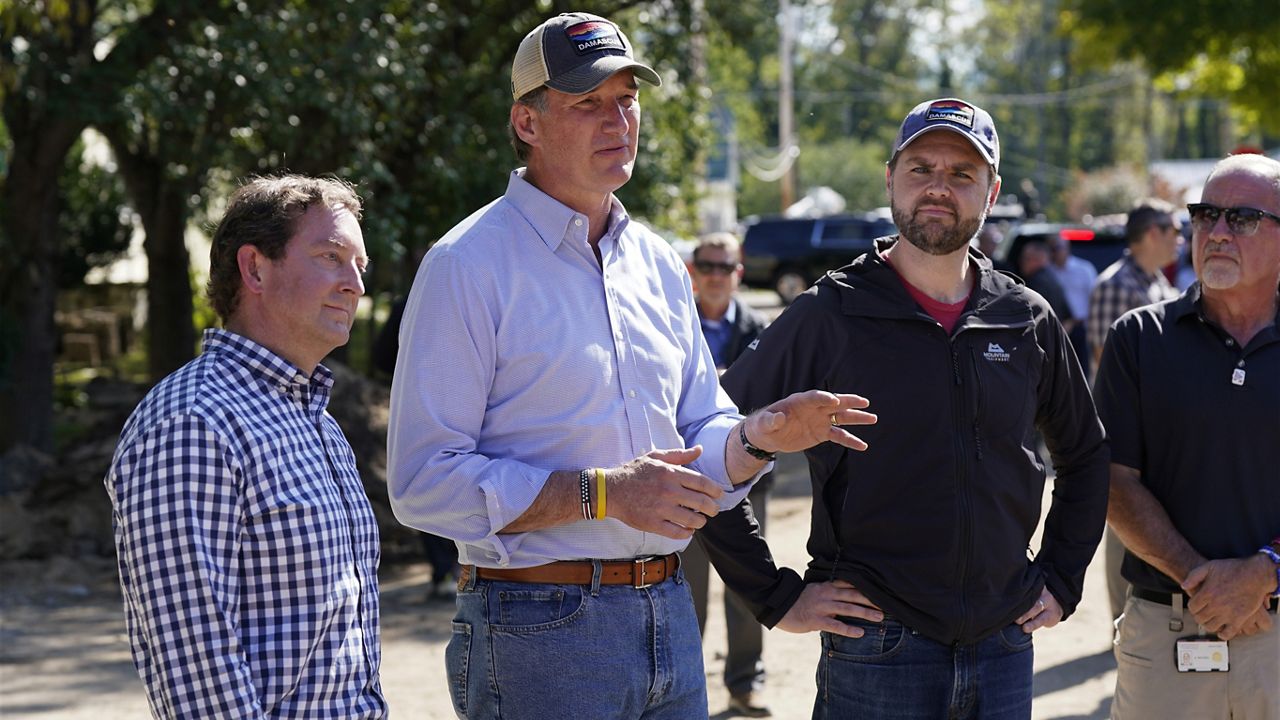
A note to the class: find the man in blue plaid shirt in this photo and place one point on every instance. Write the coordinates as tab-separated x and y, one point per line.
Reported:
248	551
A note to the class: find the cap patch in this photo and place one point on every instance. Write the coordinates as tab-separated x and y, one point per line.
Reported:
951	111
593	36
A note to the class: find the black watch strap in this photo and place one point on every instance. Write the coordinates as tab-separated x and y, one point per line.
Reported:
752	450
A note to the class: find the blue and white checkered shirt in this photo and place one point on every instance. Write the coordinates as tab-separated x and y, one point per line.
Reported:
248	550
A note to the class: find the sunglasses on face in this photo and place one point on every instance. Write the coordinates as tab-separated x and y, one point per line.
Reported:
706	267
1242	221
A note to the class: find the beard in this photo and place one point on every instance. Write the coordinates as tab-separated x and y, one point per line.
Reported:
933	238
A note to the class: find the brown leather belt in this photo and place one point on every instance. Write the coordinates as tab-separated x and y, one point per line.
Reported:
638	573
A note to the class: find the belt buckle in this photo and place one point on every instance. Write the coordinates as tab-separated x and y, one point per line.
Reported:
639	581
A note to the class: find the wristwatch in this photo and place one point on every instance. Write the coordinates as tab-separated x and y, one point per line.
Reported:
1270	551
752	450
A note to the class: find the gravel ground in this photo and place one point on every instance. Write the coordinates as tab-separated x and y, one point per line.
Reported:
64	653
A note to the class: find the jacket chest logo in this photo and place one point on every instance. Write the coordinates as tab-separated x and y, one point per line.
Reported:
995	353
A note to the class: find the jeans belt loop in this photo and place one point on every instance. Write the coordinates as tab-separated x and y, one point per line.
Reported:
597	569
1175	612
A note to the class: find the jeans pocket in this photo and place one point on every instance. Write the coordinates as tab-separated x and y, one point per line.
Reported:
1013	639
879	640
457	661
521	608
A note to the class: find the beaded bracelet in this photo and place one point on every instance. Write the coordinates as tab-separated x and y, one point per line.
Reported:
584	484
1275	558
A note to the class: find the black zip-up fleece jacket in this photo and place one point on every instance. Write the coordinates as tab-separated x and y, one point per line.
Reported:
932	522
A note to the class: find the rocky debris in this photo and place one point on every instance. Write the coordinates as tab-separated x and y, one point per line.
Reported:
362	408
57	507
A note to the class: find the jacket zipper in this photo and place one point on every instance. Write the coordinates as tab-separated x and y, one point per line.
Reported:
977	410
963	492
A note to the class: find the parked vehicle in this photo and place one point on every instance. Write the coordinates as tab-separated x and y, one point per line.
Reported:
790	254
1101	245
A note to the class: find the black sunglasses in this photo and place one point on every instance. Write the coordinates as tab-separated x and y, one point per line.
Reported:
1242	221
707	267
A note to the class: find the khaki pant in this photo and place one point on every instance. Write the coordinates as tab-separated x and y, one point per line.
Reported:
1117	586
1149	686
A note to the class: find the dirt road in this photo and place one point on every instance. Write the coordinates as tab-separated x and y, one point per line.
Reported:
64	654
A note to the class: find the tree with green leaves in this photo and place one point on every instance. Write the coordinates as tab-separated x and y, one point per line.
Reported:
1219	48
63	64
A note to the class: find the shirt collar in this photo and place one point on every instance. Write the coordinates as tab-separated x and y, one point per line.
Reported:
265	364
552	219
730	315
1191	303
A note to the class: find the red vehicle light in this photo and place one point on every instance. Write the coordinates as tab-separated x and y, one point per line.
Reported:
1077	235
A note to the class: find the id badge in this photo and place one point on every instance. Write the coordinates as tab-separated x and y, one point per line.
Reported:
1202	654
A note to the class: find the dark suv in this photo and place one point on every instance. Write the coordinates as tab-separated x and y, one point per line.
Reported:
790	254
1100	244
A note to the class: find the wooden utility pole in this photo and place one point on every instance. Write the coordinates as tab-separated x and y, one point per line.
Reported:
785	119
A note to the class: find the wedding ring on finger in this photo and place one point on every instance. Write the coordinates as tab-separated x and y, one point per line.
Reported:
833	419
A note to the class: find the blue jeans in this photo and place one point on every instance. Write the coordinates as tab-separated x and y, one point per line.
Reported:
894	673
523	650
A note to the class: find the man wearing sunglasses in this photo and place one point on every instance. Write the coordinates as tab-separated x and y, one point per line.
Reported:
728	324
1189	391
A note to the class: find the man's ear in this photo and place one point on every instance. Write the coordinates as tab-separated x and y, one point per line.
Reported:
254	268
995	194
524	122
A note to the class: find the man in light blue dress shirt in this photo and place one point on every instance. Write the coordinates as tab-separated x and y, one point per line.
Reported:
556	412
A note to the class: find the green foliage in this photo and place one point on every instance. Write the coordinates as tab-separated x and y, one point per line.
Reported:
1105	192
1222	48
91	222
852	168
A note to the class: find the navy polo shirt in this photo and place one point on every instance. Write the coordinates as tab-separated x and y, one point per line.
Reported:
1199	416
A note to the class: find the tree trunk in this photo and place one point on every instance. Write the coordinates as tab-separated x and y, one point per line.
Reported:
171	335
28	339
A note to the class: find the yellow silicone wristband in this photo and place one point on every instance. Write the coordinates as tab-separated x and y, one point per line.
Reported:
600	499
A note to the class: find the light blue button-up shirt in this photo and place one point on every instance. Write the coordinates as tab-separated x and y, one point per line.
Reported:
520	356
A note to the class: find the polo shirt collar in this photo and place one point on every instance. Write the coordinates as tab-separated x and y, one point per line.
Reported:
1191	304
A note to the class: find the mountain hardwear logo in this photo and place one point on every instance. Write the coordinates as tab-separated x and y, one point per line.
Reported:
995	353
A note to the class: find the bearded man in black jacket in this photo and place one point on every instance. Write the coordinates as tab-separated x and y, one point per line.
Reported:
920	579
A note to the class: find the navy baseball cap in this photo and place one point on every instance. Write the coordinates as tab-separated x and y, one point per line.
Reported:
574	53
958	116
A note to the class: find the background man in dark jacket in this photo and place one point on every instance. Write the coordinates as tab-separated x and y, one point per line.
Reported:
921	542
729	325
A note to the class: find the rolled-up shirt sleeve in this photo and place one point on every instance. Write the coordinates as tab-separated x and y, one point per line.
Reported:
438	479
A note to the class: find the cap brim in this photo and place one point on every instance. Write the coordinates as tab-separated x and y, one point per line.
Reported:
590	76
959	131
